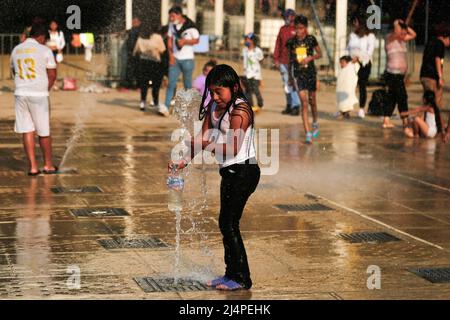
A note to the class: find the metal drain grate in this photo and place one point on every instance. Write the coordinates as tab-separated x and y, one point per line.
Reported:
303	207
150	285
99	212
132	243
434	275
362	237
92	189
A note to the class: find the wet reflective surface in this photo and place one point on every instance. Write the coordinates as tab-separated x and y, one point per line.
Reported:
373	180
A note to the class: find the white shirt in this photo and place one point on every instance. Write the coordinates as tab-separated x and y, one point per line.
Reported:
252	66
30	61
247	150
187	52
56	40
346	84
361	47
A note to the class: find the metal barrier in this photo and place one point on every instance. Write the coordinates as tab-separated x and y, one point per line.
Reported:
72	55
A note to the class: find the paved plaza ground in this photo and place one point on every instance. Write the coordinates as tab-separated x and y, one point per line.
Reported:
355	178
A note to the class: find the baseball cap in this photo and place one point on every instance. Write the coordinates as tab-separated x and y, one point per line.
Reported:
250	35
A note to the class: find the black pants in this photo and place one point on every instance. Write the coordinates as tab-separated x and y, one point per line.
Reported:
252	88
131	72
397	94
150	71
238	183
363	79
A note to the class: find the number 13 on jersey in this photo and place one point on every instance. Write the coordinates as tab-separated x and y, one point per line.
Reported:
27	68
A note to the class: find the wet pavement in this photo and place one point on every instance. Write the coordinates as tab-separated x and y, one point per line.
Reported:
355	178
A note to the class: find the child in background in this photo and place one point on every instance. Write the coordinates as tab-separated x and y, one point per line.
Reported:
427	122
199	82
253	55
239	169
347	82
304	49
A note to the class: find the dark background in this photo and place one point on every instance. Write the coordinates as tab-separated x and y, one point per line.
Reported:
103	16
98	16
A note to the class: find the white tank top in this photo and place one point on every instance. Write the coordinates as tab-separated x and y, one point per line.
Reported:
430	119
247	150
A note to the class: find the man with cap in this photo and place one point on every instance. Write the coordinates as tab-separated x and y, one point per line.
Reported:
281	58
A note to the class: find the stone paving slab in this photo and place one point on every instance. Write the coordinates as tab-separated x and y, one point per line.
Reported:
374	180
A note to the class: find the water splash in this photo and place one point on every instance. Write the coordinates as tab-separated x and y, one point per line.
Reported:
77	133
195	193
176	267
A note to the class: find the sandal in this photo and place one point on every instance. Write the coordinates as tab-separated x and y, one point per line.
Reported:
229	286
34	174
54	171
217	281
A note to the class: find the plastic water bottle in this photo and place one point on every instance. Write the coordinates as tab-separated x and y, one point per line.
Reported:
175	184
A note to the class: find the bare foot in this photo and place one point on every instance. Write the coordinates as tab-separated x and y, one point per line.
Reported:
409	132
388	126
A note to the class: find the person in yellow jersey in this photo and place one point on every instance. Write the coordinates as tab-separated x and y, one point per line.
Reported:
304	49
34	69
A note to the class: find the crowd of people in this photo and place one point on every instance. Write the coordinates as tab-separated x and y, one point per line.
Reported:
295	52
227	98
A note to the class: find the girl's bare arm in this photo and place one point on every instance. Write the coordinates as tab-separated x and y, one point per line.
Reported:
414	111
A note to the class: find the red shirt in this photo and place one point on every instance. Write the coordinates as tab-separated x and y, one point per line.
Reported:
281	53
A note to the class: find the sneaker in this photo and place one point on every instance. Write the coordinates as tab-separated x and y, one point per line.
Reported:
309	138
162	109
316	131
361	113
142	106
295	112
288	110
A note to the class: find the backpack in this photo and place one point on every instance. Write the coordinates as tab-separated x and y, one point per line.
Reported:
378	103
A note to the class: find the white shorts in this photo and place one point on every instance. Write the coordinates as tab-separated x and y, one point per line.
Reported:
432	132
32	115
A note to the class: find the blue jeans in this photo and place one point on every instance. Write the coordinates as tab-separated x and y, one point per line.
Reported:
292	98
181	66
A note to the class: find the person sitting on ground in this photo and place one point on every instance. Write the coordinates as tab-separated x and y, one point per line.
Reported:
427	120
347	82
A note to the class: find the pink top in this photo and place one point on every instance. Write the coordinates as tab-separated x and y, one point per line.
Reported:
397	58
199	84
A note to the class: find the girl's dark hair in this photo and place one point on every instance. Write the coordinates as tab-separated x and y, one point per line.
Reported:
58	28
430	99
223	75
301	19
362	23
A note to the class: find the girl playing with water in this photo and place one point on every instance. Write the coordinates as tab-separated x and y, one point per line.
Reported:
427	121
228	132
